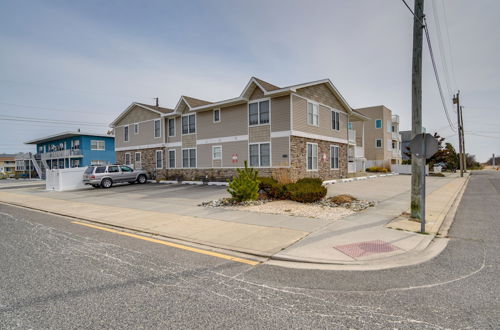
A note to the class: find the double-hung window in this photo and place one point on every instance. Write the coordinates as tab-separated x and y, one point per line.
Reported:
127	158
258	113
216	152
157	128
312	156
125	133
171	158
260	154
136	128
217	116
378	143
137	163
334	157
335	120
171	127
188	124
97	145
312	114
159	158
189	158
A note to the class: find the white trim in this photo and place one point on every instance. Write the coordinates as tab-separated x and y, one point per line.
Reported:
317	158
173	144
217	146
129	157
338	157
258	111
136	125
168	127
130	107
156	159
258	149
381	143
331	121
142	146
135	156
126	137
154	129
280	134
318	137
138	122
234	138
381	122
175	158
321	104
195	122
189	158
307	112
97	145
213	116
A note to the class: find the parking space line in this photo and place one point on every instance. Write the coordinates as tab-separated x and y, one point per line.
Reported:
175	245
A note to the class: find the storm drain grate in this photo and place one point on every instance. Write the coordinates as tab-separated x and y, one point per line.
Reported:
362	249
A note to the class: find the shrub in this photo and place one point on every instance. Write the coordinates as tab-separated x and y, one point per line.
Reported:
306	192
343	199
377	169
313	181
245	186
282	176
272	188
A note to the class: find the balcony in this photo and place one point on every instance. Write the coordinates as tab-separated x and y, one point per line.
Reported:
396	136
59	154
396	153
395	119
352	136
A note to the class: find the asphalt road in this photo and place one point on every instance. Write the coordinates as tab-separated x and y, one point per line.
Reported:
56	274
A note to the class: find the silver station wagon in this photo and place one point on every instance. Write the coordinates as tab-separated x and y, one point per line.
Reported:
106	175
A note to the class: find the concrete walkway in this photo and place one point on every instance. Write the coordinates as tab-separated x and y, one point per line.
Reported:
369	237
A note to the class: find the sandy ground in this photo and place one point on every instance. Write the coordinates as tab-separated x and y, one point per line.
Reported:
298	209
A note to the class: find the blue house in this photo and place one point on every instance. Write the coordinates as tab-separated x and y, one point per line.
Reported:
73	149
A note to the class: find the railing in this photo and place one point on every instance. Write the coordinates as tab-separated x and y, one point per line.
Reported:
352	136
59	154
395	119
359	152
396	136
396	153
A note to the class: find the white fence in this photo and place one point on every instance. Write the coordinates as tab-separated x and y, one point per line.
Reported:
406	169
65	179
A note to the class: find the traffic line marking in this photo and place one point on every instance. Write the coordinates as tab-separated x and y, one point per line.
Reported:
175	245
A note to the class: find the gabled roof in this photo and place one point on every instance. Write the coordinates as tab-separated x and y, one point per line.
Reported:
193	103
153	108
265	85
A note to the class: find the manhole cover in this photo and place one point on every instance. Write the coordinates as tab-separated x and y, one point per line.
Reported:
362	249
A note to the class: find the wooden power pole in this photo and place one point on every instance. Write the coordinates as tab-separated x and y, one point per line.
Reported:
456	100
416	111
464	159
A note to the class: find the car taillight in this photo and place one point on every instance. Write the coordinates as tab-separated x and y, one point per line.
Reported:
92	176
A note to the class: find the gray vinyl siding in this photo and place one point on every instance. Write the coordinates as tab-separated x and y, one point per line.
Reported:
279	147
280	114
233	122
229	148
136	115
260	133
257	94
177	137
299	115
145	136
189	141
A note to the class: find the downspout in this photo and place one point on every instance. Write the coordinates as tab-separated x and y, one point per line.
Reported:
347	149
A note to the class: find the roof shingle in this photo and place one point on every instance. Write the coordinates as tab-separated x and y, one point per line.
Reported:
267	86
193	103
154	107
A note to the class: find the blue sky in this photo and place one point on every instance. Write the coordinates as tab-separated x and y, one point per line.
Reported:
86	61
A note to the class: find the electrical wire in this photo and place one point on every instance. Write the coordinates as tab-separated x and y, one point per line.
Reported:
53	109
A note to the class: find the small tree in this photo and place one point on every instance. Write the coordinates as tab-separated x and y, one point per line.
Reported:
245	186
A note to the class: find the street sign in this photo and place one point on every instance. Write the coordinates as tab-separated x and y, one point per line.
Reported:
426	149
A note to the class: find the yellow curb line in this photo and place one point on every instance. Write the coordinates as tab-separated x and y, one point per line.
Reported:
175	245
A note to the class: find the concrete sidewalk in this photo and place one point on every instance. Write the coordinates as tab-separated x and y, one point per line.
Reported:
372	237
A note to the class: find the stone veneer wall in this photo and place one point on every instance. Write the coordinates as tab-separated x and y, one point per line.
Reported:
298	149
148	161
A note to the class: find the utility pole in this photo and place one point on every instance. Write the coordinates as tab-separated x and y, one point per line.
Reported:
493	163
417	177
464	160
456	100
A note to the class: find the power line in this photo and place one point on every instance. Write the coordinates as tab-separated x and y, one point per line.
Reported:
52	120
53	109
449	44
441	48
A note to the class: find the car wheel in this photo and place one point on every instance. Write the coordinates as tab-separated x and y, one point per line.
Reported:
142	179
106	183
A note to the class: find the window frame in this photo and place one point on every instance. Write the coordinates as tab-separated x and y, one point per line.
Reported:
126	132
129	158
135	159
312	157
213	116
381	123
381	143
136	128
313	104
258	102
213	152
159	128
336	116
189	165
156	159
175	156
168	127
333	147
97	145
188	126
259	154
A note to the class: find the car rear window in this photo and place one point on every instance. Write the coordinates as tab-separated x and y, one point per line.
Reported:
89	170
100	169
